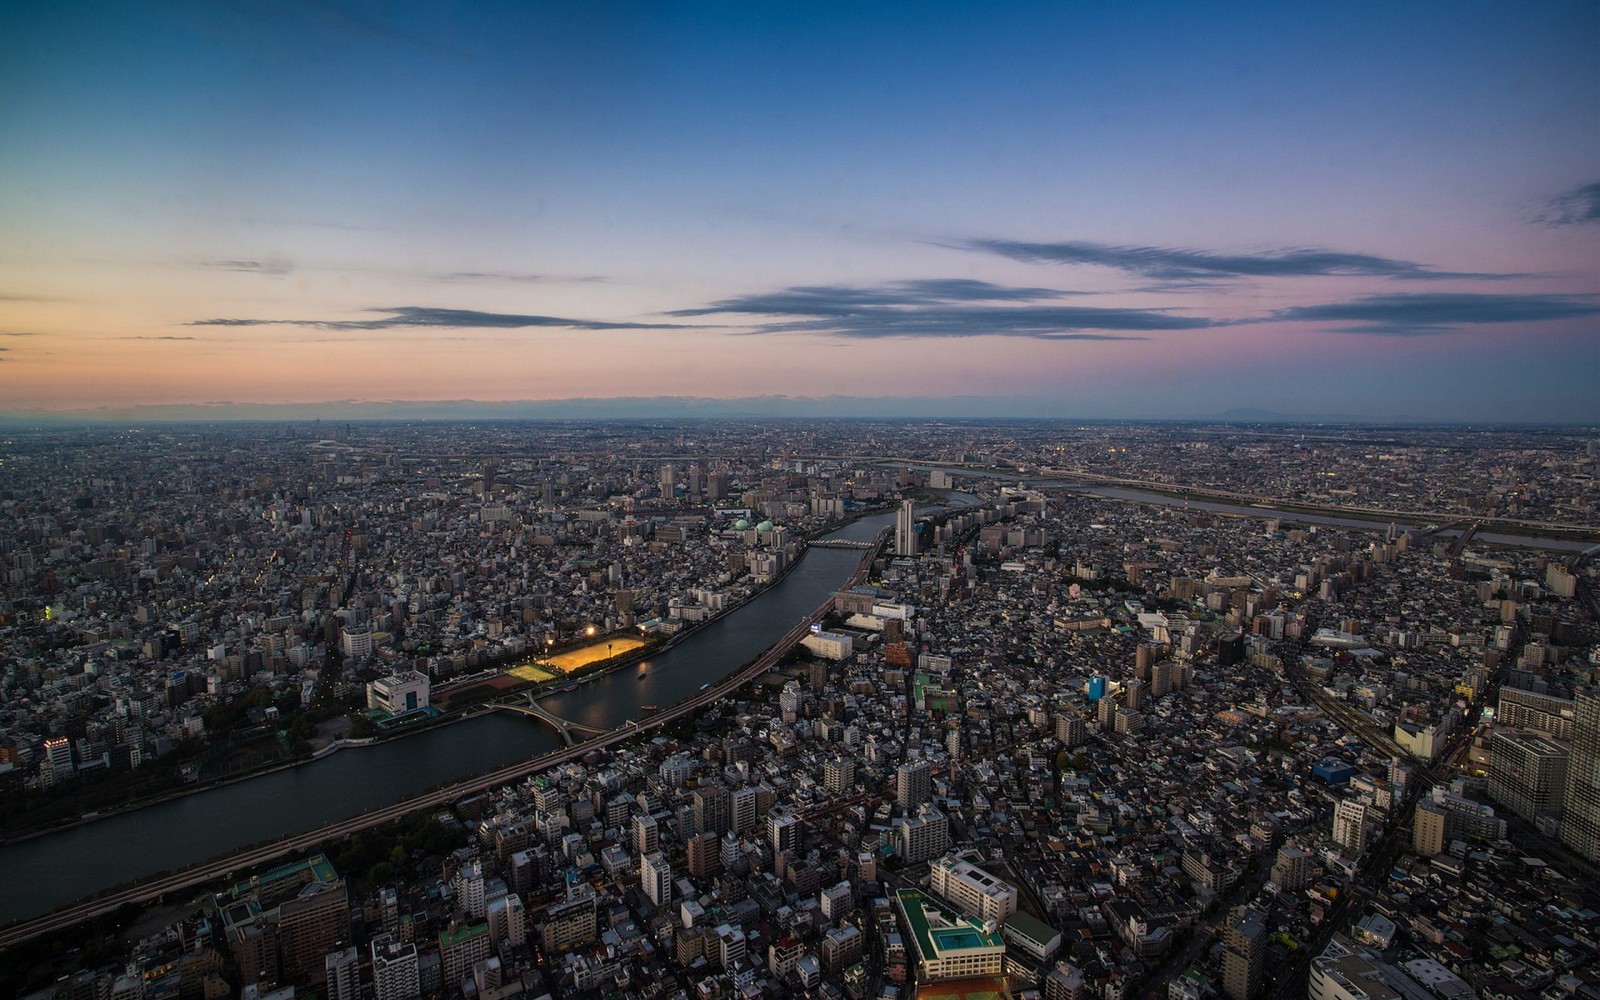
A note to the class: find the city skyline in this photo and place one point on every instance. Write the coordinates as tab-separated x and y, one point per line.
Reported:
1159	213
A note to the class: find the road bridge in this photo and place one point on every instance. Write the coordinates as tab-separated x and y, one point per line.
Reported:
527	706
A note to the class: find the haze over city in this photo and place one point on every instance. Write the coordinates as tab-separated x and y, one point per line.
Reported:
1166	211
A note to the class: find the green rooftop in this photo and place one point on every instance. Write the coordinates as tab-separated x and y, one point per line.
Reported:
937	931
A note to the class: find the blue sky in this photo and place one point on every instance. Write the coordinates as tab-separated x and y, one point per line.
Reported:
1159	210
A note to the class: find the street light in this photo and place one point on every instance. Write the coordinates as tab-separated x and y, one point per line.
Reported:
590	631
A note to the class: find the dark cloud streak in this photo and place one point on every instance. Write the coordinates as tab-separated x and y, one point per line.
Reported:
939	308
424	317
1175	264
1578	207
1428	315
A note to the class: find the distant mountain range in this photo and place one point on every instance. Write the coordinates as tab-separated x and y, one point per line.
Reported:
665	408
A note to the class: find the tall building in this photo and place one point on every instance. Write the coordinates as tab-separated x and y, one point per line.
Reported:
924	836
468	888
711	809
944	944
669	484
1527	774
655	878
1244	954
310	925
462	946
744	808
905	524
838	774
508	921
913	784
1580	815
1350	825
570	923
342	974
1542	712
646	834
783	831
973	890
704	854
394	969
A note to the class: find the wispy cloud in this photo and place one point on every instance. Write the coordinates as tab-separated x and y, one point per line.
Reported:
1178	264
275	266
1578	207
524	279
941	307
163	337
425	317
20	333
1426	315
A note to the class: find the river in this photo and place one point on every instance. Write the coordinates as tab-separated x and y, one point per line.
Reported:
50	871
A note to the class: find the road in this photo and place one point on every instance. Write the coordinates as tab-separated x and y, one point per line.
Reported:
220	868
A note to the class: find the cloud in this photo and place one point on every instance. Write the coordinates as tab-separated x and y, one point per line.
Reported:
941	307
424	317
1426	315
20	333
275	266
842	300
528	279
1578	207
164	337
1183	265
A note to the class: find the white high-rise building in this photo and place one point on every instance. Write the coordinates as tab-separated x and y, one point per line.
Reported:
395	975
646	834
1350	825
655	878
905	523
342	972
975	891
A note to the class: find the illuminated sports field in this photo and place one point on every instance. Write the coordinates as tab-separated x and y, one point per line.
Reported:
529	672
572	659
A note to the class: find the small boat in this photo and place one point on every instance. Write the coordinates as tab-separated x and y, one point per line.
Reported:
704	686
647	708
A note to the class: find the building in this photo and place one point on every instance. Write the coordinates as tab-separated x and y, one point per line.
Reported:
1244	954
570	923
842	947
905	529
398	693
394	969
655	878
830	645
467	885
783	831
310	925
836	901
944	944
646	835
462	946
743	804
1350	825
838	774
1344	972
342	974
355	642
1580	815
1527	774
924	836
508	921
704	854
711	809
913	784
1293	869
1547	714
973	891
1428	826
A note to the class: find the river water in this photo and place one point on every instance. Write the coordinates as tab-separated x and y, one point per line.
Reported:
47	872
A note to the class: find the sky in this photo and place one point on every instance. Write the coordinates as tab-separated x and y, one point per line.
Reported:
1164	210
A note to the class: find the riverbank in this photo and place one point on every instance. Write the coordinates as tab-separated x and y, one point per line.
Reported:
298	808
447	718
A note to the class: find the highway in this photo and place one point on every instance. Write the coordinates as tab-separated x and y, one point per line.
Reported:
220	868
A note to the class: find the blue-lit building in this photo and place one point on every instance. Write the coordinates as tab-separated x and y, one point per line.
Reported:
1333	771
1097	688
